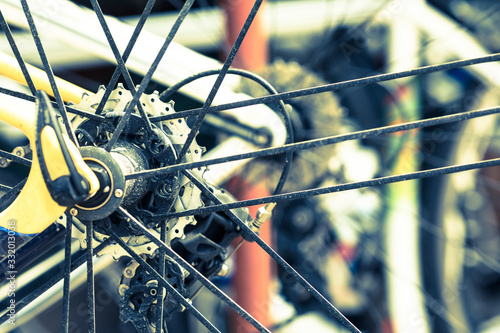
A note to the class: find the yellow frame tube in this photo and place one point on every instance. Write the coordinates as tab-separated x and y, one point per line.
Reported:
69	91
34	210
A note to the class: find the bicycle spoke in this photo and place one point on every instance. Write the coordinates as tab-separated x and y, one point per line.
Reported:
17	54
70	109
308	144
143	214
11	191
145	81
333	87
254	237
124	71
67	273
173	31
48	71
21	304
336	188
270	89
164	282
90	277
236	71
161	271
201	278
218	82
5	188
15	158
116	74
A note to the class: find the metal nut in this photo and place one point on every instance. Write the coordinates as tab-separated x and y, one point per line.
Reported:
263	215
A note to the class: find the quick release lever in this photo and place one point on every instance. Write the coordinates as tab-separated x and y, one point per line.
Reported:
68	189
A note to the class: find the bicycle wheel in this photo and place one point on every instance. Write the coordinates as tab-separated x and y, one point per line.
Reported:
176	227
466	213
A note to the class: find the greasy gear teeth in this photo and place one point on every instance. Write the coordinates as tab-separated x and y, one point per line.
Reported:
176	131
135	290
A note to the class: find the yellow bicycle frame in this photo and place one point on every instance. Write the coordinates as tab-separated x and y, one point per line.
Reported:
34	210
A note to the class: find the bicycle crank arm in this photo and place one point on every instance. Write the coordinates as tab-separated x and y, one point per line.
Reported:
35	209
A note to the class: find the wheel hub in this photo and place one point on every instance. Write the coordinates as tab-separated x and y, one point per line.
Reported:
112	185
